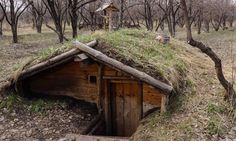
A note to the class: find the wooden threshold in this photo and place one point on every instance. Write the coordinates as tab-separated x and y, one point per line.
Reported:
94	138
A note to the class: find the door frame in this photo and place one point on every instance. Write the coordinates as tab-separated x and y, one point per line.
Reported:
108	101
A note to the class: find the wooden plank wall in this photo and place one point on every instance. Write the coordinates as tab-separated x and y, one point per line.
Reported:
151	95
69	80
72	80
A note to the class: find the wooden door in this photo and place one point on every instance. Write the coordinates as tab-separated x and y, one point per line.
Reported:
126	107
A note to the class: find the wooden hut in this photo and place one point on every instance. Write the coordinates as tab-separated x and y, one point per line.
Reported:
108	9
84	73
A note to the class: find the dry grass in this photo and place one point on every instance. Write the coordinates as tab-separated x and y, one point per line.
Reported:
200	113
31	45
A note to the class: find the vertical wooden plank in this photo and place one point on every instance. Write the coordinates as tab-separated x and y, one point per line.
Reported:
105	104
127	109
107	107
134	107
105	19
126	103
164	103
120	109
113	109
110	20
99	87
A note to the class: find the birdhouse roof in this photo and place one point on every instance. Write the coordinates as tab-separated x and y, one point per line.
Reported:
107	6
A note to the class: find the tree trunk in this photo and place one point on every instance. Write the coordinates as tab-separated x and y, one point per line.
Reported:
207	26
93	21
121	13
217	28
171	19
68	21
199	21
33	23
39	28
14	33
74	29
59	32
74	21
224	22
199	26
174	25
61	37
231	23
39	24
148	15
169	23
1	28
162	26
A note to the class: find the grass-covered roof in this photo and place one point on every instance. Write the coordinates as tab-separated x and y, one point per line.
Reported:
136	48
139	49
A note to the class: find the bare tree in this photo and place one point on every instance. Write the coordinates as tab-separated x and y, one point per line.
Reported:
208	51
38	10
15	10
170	9
206	16
199	18
57	10
74	6
148	14
219	13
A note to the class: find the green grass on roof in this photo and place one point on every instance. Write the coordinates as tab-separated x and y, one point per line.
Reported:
141	47
132	45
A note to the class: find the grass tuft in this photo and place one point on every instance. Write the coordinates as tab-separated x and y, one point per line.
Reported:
42	105
10	101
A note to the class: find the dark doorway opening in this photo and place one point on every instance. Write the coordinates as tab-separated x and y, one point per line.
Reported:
123	107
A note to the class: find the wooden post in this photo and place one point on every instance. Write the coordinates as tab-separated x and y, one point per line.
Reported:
110	20
99	87
105	19
164	103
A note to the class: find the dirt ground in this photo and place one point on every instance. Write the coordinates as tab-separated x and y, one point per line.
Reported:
33	120
36	119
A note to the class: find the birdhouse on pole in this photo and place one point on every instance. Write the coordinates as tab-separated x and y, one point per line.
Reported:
108	9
